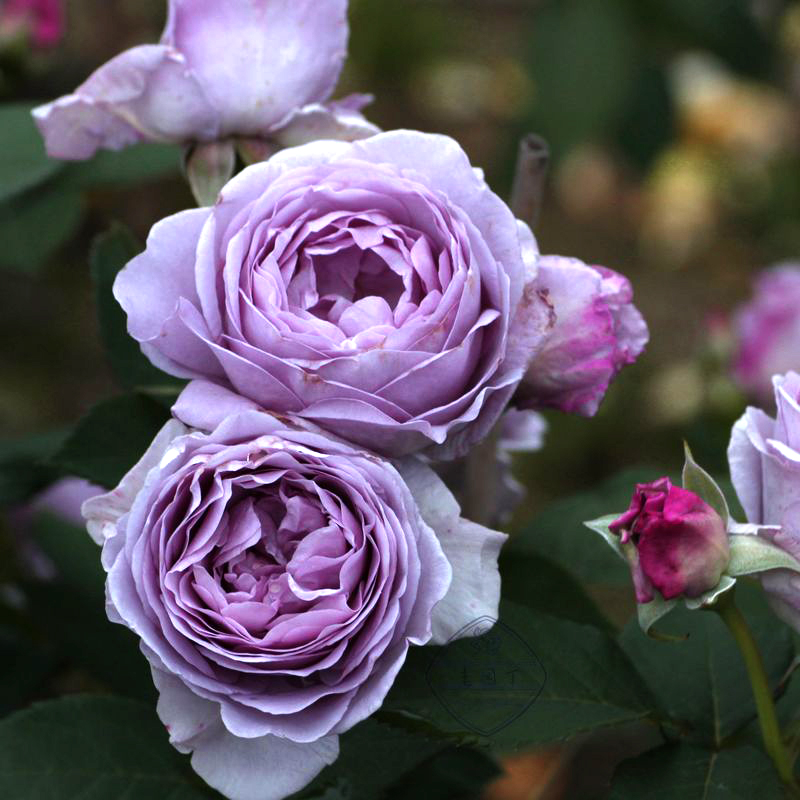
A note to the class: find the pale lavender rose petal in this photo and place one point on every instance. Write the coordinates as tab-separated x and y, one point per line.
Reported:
597	332
521	431
264	768
764	458
145	93
471	549
341	120
260	60
377	289
150	289
767	330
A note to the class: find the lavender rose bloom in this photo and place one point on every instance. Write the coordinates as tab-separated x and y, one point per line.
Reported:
246	68
277	579
680	544
764	457
377	289
767	330
597	332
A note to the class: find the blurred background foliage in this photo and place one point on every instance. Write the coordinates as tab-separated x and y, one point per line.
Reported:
673	126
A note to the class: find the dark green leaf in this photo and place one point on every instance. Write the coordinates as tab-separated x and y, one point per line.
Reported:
33	225
558	532
683	772
456	772
95	748
536	582
23	470
136	164
111	438
23	161
110	252
532	679
372	757
701	680
71	613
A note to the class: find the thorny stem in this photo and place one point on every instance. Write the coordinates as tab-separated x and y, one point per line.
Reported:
762	693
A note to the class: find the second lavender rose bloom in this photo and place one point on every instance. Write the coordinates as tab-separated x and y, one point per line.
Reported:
767	331
240	68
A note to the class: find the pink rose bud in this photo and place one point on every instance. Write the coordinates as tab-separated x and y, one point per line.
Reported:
680	544
597	332
767	331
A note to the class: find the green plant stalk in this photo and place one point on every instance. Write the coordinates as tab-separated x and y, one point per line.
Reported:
765	705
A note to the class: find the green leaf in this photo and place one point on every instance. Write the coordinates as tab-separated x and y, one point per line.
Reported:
23	161
23	467
372	757
34	224
530	680
94	748
534	581
697	480
455	772
111	438
133	165
70	613
558	532
699	677
683	772
110	252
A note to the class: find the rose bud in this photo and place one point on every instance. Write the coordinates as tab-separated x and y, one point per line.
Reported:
276	579
764	458
767	331
378	290
677	543
597	332
238	68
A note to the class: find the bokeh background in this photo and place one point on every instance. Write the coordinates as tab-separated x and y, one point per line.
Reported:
673	126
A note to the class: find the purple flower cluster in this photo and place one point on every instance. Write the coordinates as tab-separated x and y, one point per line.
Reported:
354	302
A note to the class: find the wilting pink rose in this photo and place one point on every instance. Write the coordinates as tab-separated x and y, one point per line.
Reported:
597	332
767	331
764	457
44	19
376	289
246	68
276	579
680	542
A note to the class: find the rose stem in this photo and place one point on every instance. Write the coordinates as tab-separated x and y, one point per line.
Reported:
527	191
527	197
767	718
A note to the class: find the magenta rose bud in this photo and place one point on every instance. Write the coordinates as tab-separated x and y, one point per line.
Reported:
767	331
276	580
597	332
680	544
238	68
764	458
376	289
